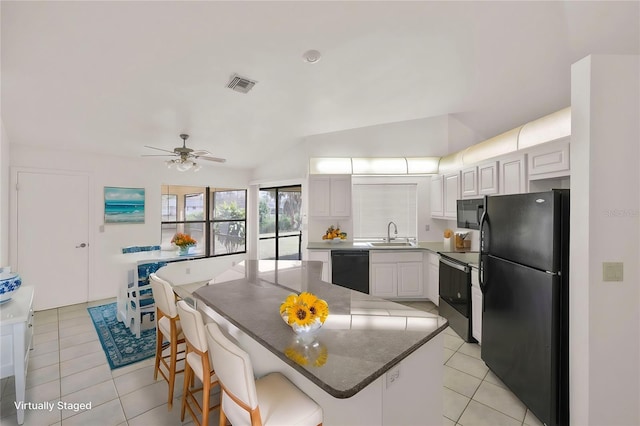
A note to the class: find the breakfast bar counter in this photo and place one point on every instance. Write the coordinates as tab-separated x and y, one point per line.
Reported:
372	362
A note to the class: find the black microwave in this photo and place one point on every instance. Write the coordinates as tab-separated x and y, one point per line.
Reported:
470	213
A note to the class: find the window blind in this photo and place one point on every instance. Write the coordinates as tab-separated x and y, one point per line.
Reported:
375	205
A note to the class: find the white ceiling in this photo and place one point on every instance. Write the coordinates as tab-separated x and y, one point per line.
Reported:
110	77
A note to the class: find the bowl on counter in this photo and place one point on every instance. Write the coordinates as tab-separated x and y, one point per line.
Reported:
9	284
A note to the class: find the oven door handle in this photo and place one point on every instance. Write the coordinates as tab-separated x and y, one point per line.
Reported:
457	266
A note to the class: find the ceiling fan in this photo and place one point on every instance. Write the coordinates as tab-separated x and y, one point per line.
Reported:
185	156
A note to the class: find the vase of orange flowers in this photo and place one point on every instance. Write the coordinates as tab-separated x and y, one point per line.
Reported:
184	242
304	312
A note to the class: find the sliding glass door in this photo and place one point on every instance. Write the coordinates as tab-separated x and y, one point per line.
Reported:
280	223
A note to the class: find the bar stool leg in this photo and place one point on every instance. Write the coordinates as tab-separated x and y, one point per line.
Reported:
158	354
185	388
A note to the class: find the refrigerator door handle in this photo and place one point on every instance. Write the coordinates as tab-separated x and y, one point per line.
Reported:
481	265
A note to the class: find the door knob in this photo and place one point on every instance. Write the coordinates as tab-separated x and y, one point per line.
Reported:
83	245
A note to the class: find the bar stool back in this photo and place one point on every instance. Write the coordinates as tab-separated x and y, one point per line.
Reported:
197	363
170	329
270	400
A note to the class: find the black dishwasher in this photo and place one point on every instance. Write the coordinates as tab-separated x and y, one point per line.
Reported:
350	269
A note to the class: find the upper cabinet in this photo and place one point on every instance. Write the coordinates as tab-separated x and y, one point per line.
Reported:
437	208
451	191
549	160
513	174
445	191
330	196
469	182
488	178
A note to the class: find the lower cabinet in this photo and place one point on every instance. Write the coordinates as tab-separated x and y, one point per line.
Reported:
323	256
397	274
433	278
476	306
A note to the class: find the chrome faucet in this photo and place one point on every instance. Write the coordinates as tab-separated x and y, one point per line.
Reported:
395	231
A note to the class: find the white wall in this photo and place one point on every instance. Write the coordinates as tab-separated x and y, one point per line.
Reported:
413	138
4	196
605	207
107	270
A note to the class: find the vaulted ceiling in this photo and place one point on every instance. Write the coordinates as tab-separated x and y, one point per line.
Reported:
111	77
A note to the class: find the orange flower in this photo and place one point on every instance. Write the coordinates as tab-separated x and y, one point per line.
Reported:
183	240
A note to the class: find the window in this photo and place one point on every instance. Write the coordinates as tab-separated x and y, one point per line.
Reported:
229	220
169	206
215	218
375	205
280	235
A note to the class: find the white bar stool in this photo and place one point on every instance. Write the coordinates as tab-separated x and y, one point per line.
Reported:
197	363
270	400
169	328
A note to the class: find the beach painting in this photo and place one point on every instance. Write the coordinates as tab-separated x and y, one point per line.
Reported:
123	205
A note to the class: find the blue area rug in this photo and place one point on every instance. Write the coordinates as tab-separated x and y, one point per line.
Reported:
119	344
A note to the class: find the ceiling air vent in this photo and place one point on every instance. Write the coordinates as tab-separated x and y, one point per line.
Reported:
241	84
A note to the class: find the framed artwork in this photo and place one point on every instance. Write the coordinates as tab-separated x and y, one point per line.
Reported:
123	205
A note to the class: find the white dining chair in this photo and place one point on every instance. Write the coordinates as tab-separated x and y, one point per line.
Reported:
198	363
269	400
169	329
141	310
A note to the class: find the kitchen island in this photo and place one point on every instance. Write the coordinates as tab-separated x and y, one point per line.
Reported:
373	362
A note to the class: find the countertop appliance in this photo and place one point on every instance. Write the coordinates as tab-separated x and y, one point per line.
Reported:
524	278
469	213
350	269
455	291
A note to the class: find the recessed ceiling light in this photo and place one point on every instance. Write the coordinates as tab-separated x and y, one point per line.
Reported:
311	56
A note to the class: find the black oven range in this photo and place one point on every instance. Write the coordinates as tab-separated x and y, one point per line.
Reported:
455	291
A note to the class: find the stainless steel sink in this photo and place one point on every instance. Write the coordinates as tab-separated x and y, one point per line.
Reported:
392	244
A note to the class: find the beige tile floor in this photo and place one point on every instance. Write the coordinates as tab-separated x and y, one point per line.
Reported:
67	364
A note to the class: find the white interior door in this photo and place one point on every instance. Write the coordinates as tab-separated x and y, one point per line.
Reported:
53	236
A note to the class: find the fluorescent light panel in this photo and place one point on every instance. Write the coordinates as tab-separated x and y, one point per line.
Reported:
384	166
323	166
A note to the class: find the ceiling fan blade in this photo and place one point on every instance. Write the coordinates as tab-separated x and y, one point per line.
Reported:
159	149
158	155
216	159
201	152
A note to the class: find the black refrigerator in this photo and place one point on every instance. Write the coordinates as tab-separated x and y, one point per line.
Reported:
524	278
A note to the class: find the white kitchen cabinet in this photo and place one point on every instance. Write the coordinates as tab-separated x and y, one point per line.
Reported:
396	274
437	208
469	182
476	306
549	160
384	279
513	174
451	191
323	256
488	178
410	283
330	195
433	278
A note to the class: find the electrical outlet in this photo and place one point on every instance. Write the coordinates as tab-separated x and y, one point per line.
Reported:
187	271
426	227
393	375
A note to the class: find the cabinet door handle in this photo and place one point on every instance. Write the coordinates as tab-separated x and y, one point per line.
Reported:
83	245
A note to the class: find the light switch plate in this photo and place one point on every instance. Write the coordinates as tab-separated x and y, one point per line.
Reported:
612	271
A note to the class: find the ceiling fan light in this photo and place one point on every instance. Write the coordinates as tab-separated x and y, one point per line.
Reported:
184	166
196	166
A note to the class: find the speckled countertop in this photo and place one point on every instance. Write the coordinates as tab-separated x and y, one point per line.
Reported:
433	246
363	337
